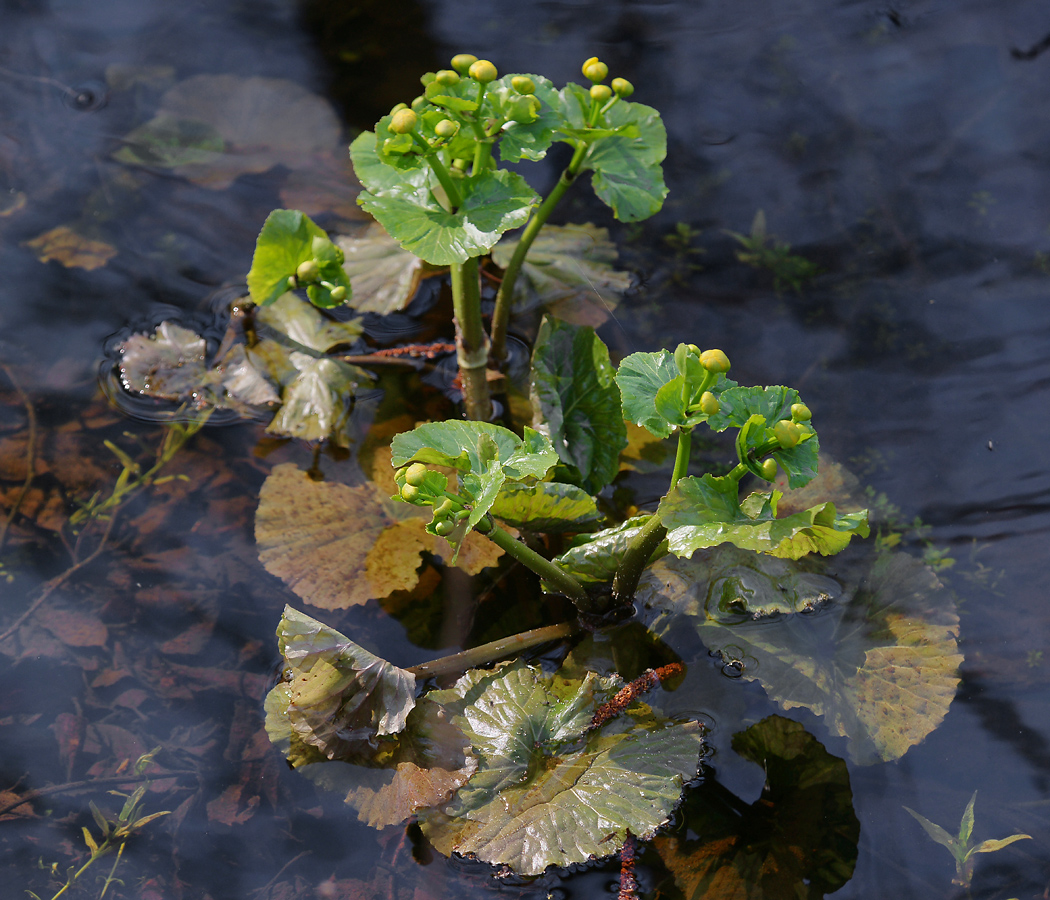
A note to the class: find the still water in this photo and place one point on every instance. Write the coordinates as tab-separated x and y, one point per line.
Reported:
904	149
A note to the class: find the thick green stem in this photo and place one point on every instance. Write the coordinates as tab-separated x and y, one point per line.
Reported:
472	346
501	314
648	539
487	653
548	571
451	190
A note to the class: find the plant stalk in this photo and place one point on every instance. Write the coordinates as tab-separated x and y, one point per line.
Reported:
547	570
653	532
472	345
494	650
501	314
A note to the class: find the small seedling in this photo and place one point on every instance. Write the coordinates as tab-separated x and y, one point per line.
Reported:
764	251
961	846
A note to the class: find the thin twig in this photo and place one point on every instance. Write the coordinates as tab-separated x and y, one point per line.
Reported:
30	454
74	786
51	586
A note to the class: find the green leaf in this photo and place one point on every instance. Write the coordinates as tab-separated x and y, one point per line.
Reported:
674	401
454	444
378	177
705	512
594	558
627	174
938	834
640	377
566	265
993	845
741	404
797	840
966	822
404	204
880	662
547	507
288	238
340	697
519	140
577	402
548	789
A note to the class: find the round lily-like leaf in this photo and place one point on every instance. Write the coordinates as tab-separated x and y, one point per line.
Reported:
799	839
167	364
547	506
337	546
879	661
640	377
549	790
404	204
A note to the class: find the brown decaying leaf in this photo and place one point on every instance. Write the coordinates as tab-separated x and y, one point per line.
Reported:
74	627
72	250
338	546
23	811
411	789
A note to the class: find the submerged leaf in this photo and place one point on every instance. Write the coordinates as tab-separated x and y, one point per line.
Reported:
212	128
577	402
879	662
71	249
337	546
307	325
383	275
548	790
167	364
315	405
566	264
799	839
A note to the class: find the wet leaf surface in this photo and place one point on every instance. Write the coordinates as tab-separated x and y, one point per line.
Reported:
878	659
549	791
799	839
577	402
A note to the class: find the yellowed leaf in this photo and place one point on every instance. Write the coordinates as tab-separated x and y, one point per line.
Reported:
72	250
410	789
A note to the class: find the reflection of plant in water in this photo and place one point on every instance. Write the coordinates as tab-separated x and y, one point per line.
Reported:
764	251
961	846
114	832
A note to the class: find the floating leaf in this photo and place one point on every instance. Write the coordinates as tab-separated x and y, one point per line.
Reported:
315	405
167	364
577	402
799	839
492	203
340	696
292	317
384	276
570	264
71	249
880	662
707	511
213	128
547	506
549	791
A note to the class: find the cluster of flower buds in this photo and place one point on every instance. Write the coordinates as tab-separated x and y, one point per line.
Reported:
700	369
595	71
420	486
310	272
788	433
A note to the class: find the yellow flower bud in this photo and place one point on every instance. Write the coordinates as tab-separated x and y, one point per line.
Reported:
601	92
462	62
403	121
483	71
714	361
623	87
596	71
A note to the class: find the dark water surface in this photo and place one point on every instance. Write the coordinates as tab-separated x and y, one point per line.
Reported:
904	148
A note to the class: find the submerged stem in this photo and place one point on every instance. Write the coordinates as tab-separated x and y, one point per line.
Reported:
492	651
